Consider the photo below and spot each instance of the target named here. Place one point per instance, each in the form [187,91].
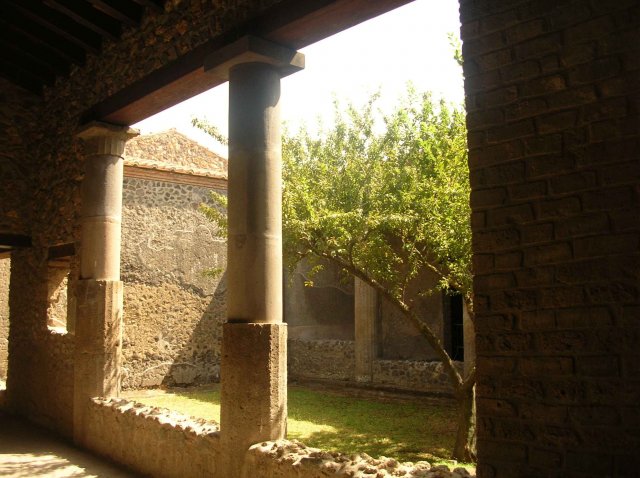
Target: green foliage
[456,46]
[387,203]
[217,212]
[210,129]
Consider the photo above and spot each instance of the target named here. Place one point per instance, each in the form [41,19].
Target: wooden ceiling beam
[43,38]
[122,11]
[14,240]
[27,63]
[291,23]
[87,16]
[18,76]
[37,52]
[156,6]
[55,22]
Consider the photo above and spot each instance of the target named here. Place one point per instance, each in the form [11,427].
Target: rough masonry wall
[334,360]
[165,444]
[153,441]
[320,359]
[552,99]
[5,271]
[16,121]
[172,313]
[40,375]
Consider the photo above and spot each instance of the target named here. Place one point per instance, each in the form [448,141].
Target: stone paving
[28,452]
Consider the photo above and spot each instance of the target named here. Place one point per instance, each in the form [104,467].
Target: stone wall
[16,121]
[552,101]
[321,312]
[153,441]
[413,375]
[40,375]
[172,312]
[334,360]
[321,359]
[165,444]
[5,271]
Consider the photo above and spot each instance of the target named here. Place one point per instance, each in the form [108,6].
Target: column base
[254,390]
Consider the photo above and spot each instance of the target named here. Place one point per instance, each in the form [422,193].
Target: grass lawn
[408,430]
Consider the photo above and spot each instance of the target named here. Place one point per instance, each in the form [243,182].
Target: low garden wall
[321,359]
[334,360]
[153,441]
[412,375]
[166,444]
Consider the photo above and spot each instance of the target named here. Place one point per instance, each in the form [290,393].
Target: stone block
[254,389]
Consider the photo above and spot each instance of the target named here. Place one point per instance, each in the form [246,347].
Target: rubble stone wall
[552,103]
[153,441]
[172,312]
[165,444]
[334,360]
[413,375]
[40,359]
[321,359]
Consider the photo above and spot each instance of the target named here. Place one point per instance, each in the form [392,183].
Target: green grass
[408,430]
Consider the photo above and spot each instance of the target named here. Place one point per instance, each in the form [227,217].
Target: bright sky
[407,44]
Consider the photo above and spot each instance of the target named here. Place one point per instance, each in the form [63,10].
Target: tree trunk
[465,446]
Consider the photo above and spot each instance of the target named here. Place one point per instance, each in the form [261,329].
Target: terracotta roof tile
[173,151]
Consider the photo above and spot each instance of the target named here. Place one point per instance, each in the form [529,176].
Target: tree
[386,198]
[386,207]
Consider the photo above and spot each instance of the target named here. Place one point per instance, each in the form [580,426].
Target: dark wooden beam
[120,10]
[88,16]
[54,21]
[38,53]
[20,77]
[12,241]
[43,38]
[28,64]
[156,6]
[61,250]
[291,23]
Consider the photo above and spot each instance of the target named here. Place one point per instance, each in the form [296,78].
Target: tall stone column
[98,328]
[366,311]
[254,357]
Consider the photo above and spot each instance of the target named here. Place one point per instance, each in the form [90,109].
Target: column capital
[252,49]
[105,138]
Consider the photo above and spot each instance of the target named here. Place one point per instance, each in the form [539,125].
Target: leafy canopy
[386,196]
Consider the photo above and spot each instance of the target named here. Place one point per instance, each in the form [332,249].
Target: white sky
[407,44]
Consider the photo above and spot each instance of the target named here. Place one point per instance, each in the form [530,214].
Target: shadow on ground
[27,451]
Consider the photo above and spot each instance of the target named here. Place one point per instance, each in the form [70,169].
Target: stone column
[98,328]
[254,358]
[366,311]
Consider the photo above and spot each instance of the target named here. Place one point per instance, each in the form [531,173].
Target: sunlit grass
[408,430]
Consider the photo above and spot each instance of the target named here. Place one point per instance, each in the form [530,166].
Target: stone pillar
[254,358]
[98,328]
[366,311]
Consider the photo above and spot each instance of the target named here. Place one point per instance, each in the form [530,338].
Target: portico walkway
[27,451]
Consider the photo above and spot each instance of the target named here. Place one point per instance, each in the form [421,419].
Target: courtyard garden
[407,428]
